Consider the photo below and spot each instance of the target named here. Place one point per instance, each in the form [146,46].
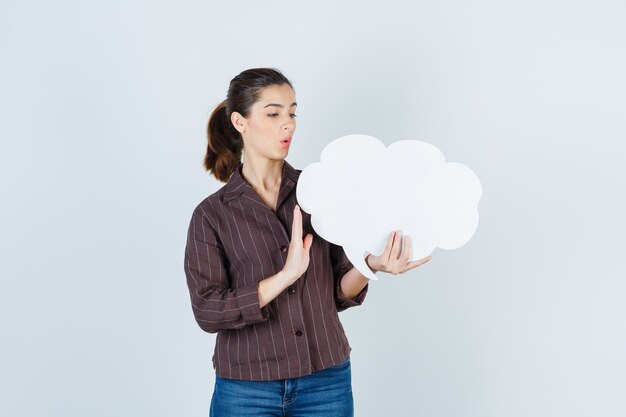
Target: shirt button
[298,333]
[291,290]
[283,248]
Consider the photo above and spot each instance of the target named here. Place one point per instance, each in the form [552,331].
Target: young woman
[271,295]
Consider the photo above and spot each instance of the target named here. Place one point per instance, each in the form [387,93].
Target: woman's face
[271,120]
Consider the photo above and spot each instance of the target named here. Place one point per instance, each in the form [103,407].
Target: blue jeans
[325,393]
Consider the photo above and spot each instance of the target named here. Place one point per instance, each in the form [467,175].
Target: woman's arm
[352,283]
[216,306]
[271,287]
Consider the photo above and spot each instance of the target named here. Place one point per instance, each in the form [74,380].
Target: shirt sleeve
[341,264]
[216,306]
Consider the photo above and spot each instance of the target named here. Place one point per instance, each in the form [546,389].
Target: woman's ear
[238,121]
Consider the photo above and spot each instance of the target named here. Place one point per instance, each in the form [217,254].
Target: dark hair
[225,144]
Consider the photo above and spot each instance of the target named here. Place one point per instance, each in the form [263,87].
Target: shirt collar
[236,184]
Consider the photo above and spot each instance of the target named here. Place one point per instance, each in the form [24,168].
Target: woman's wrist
[270,287]
[368,264]
[284,278]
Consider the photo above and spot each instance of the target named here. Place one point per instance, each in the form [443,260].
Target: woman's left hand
[394,259]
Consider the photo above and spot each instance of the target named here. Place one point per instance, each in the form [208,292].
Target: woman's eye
[293,115]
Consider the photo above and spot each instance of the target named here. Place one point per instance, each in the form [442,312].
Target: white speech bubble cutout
[361,191]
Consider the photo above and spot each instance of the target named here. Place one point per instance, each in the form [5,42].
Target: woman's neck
[264,176]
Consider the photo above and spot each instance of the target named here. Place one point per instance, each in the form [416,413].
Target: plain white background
[104,107]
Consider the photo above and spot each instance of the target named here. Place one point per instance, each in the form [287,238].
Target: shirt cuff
[248,299]
[343,303]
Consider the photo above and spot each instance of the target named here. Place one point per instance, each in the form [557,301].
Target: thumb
[308,241]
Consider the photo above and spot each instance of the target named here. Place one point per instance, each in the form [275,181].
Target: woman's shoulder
[208,207]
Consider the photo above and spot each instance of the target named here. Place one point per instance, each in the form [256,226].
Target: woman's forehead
[277,94]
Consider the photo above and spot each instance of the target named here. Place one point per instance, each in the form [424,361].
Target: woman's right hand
[298,257]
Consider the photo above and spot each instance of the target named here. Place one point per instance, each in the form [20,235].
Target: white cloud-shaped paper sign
[361,191]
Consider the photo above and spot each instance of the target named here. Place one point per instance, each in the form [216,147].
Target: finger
[417,263]
[397,244]
[387,251]
[406,249]
[296,230]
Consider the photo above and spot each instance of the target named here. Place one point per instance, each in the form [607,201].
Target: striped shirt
[236,240]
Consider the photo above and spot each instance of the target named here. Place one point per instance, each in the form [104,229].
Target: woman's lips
[285,142]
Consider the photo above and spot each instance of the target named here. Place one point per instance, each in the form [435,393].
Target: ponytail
[224,146]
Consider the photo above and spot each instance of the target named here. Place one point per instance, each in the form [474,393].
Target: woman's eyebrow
[280,105]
